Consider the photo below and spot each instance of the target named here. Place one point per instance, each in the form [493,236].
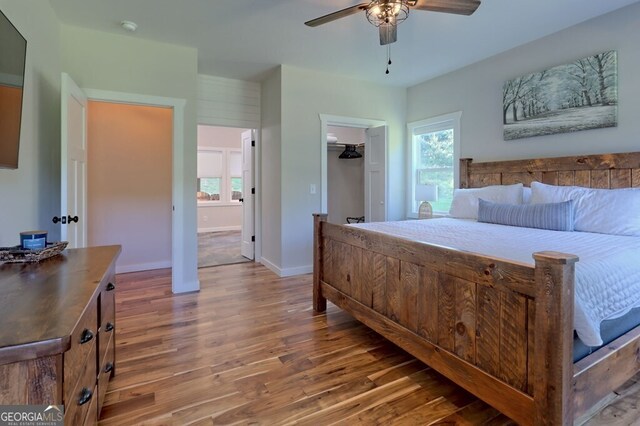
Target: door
[247,248]
[73,168]
[375,175]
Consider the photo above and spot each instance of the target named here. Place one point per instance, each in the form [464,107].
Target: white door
[73,169]
[247,248]
[375,175]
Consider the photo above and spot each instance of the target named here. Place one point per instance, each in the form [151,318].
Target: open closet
[345,174]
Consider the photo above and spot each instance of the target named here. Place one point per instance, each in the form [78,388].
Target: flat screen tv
[13,53]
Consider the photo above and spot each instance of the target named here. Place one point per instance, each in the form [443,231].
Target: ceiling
[244,39]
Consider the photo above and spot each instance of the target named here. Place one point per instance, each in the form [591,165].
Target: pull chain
[388,57]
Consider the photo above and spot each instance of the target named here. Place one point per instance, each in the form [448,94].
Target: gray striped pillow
[552,216]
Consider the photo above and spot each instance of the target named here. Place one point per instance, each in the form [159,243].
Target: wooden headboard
[591,171]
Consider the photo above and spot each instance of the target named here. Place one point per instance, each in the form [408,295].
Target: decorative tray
[18,255]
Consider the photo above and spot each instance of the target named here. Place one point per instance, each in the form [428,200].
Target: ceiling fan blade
[337,15]
[388,34]
[459,7]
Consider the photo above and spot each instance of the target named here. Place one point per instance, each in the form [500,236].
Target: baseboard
[124,269]
[286,272]
[270,265]
[187,287]
[298,270]
[220,229]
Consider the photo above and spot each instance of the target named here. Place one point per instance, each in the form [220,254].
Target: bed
[503,329]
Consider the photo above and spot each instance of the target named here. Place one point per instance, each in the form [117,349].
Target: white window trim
[225,179]
[441,122]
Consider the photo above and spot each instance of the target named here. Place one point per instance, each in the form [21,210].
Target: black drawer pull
[109,326]
[108,367]
[111,287]
[86,336]
[85,396]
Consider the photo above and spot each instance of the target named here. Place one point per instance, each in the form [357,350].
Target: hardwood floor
[248,349]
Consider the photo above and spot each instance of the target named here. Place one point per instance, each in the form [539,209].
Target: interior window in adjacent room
[219,175]
[235,175]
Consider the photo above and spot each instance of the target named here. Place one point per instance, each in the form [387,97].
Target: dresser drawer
[92,411]
[108,322]
[108,286]
[83,341]
[79,404]
[107,367]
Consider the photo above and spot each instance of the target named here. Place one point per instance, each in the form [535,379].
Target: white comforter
[607,274]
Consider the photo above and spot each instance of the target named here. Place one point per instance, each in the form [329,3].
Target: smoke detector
[129,26]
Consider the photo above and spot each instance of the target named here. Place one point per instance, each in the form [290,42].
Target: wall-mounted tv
[13,53]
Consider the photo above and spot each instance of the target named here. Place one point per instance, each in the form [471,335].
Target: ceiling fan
[387,14]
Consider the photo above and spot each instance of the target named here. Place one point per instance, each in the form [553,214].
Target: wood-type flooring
[219,248]
[248,349]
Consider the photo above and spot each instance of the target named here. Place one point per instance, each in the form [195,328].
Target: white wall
[222,217]
[228,102]
[271,140]
[477,91]
[305,95]
[129,157]
[30,195]
[220,137]
[121,63]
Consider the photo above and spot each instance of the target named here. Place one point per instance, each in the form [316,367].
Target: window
[219,176]
[433,160]
[236,188]
[235,175]
[209,189]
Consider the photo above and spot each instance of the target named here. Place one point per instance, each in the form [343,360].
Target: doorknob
[72,219]
[241,200]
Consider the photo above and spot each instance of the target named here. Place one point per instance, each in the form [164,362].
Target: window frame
[433,124]
[225,179]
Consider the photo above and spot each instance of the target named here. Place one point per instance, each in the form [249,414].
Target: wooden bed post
[553,330]
[319,302]
[464,172]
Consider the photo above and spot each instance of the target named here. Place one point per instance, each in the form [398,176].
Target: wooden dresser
[57,331]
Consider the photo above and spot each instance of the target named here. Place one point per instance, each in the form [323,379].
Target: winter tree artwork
[577,96]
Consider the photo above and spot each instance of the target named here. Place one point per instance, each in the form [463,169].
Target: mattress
[610,331]
[607,275]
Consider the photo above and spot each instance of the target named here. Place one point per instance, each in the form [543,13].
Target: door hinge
[253,238]
[253,191]
[253,143]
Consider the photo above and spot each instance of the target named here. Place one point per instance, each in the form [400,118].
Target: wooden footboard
[499,329]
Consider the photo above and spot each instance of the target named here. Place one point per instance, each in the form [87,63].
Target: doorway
[345,174]
[225,195]
[184,277]
[374,150]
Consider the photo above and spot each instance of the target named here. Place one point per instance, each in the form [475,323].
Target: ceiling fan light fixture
[380,12]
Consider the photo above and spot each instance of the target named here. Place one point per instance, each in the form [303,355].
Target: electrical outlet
[312,189]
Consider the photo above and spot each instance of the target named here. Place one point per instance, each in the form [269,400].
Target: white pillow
[605,211]
[526,195]
[465,201]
